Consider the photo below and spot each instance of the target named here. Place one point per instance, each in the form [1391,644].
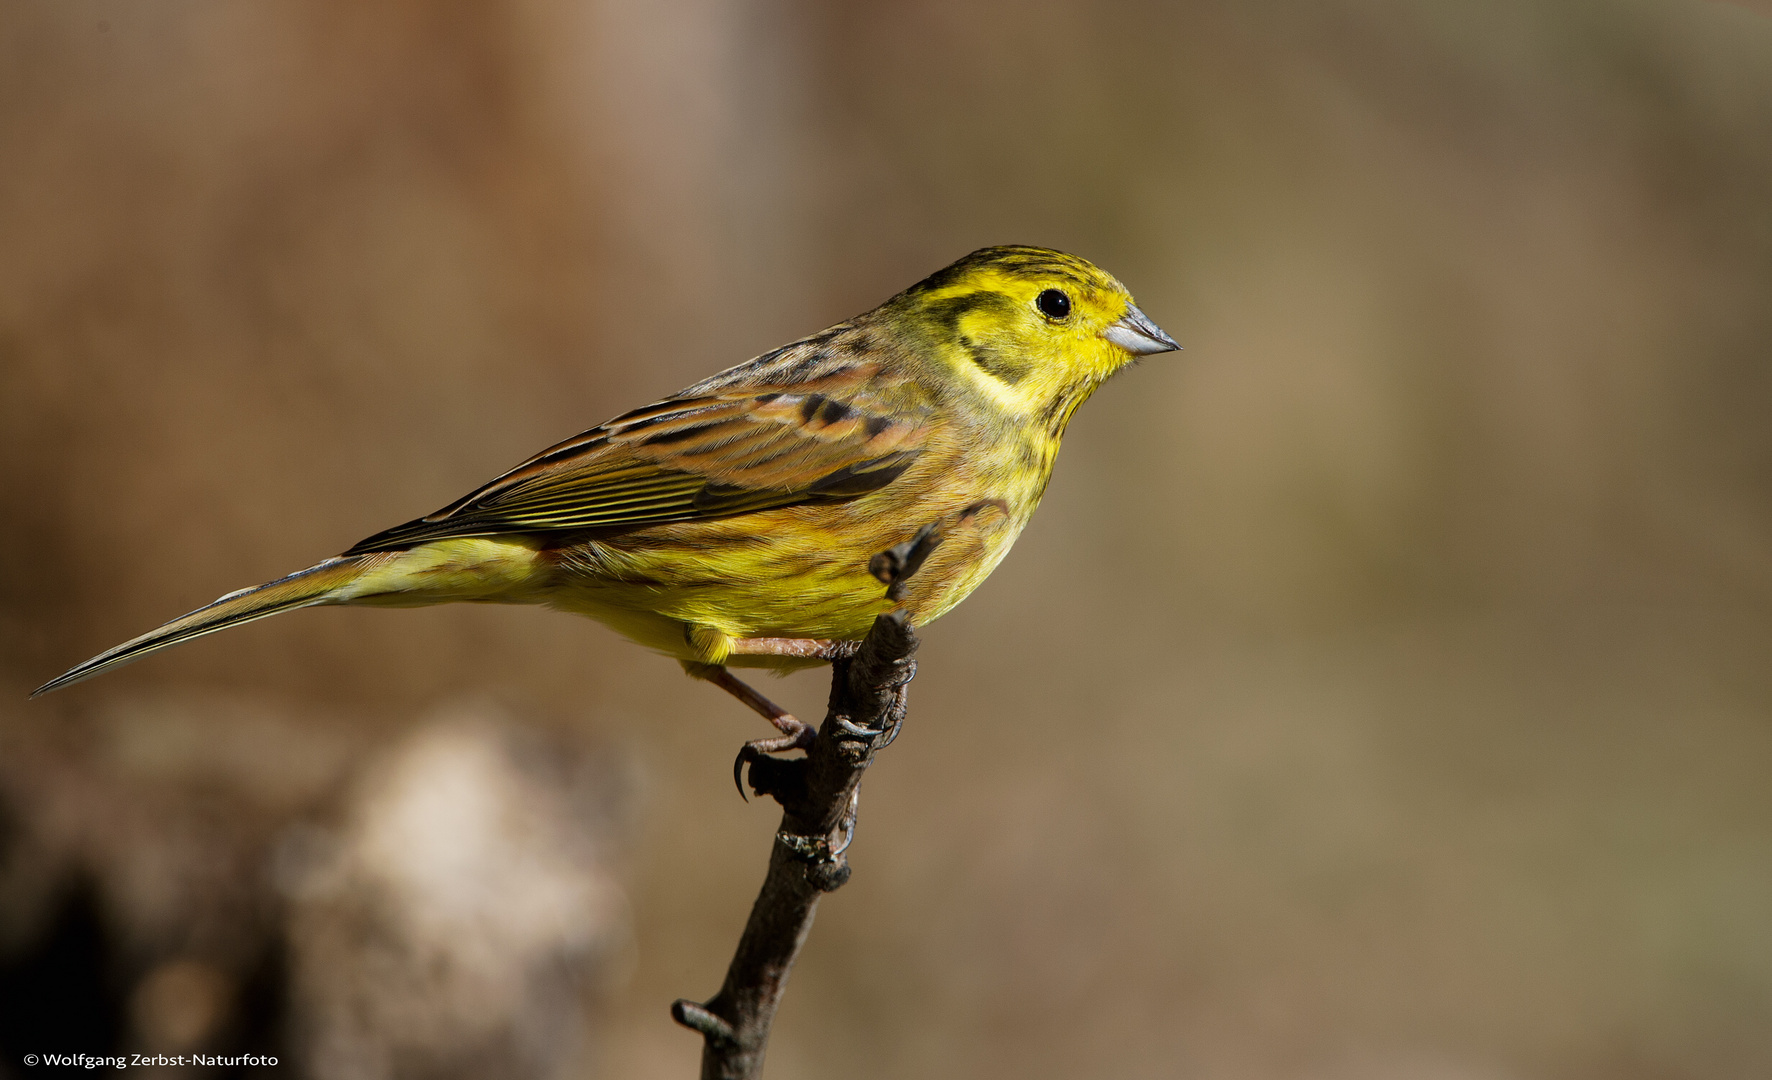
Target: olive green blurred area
[1382,692]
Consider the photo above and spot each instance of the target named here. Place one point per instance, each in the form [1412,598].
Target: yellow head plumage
[1033,329]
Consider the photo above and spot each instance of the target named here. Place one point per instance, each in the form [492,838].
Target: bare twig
[818,796]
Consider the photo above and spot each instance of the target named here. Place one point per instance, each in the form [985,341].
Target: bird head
[1034,329]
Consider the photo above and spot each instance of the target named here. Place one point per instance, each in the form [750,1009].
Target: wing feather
[696,457]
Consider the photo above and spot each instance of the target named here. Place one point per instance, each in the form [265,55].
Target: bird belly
[748,589]
[798,572]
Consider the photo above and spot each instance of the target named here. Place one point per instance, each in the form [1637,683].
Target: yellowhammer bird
[732,524]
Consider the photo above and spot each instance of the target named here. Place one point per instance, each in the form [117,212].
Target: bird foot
[896,564]
[877,738]
[801,736]
[894,567]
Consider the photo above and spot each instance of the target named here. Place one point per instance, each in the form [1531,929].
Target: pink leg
[795,735]
[810,648]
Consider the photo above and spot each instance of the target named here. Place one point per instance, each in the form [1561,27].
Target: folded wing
[693,458]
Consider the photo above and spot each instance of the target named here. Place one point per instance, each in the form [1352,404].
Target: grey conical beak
[1138,335]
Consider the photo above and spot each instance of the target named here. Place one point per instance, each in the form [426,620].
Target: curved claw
[891,733]
[744,755]
[800,737]
[846,727]
[848,823]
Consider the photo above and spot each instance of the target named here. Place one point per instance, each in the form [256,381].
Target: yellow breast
[799,571]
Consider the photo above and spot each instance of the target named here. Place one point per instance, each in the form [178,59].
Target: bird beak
[1138,335]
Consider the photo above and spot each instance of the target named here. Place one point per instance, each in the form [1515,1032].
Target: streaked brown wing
[692,458]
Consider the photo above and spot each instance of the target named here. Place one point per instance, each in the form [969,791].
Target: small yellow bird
[732,524]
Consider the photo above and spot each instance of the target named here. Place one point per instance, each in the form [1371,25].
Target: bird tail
[328,582]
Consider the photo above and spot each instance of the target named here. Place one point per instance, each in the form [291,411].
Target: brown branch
[818,798]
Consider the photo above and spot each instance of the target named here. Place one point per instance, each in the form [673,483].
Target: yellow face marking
[986,324]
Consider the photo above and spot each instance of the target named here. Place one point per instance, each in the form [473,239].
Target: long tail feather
[304,588]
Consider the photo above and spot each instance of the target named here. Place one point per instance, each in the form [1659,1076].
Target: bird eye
[1053,304]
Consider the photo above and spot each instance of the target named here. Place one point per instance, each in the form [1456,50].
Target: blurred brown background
[1381,693]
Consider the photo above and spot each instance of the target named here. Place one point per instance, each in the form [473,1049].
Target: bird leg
[809,648]
[892,567]
[795,735]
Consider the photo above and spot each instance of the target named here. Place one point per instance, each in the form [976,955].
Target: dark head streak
[991,361]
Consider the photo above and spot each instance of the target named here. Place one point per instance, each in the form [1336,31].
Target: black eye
[1053,304]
